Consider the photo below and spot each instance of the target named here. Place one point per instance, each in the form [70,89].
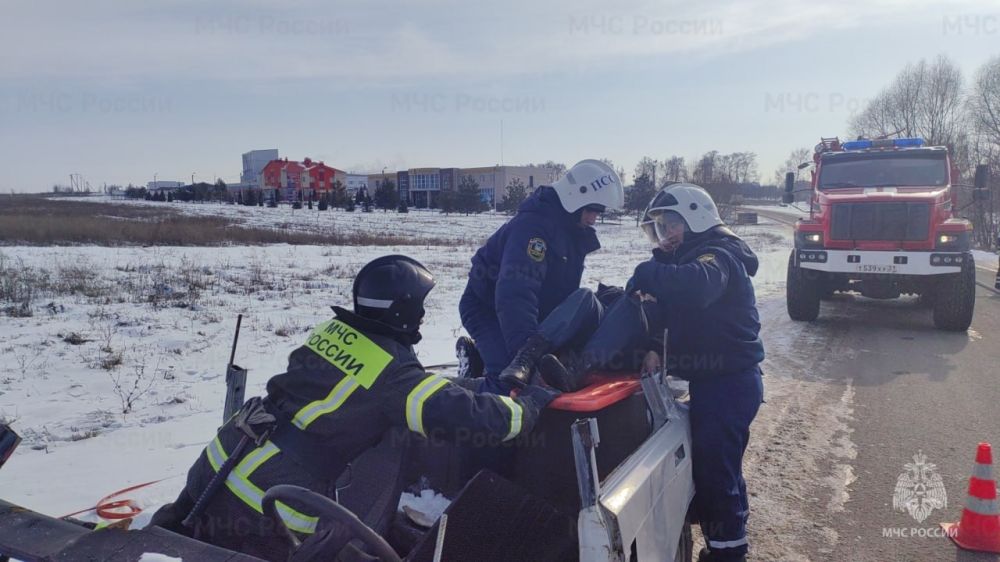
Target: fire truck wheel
[955,298]
[801,294]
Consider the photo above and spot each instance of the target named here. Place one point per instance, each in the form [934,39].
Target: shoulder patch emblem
[536,249]
[350,351]
[705,258]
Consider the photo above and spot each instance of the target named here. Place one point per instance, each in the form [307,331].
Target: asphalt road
[912,389]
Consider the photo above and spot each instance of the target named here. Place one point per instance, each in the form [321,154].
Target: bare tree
[939,109]
[674,170]
[559,167]
[705,170]
[983,109]
[646,167]
[924,100]
[984,101]
[738,167]
[796,157]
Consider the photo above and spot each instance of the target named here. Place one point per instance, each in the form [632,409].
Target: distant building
[306,180]
[253,165]
[493,180]
[163,185]
[376,180]
[235,188]
[355,182]
[422,187]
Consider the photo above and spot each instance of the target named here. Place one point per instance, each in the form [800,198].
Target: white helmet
[590,182]
[688,200]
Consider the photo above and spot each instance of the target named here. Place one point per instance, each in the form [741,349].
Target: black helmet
[391,290]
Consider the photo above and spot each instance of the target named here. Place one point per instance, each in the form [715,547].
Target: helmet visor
[664,226]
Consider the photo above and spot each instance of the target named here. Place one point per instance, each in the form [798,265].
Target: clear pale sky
[118,91]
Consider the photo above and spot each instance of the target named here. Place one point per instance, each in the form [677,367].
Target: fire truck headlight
[953,241]
[809,240]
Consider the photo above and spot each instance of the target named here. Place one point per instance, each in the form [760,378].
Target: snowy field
[118,377]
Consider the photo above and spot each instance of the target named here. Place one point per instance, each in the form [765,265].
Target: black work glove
[538,395]
[608,294]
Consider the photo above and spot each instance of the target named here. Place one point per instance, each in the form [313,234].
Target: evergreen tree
[638,195]
[386,196]
[467,197]
[338,194]
[447,201]
[516,194]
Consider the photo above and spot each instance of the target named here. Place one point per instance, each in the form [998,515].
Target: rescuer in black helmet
[354,378]
[391,290]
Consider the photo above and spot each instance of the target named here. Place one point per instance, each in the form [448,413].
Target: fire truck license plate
[871,268]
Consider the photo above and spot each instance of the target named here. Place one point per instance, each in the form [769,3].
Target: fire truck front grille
[886,221]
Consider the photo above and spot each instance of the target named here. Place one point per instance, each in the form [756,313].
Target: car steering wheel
[324,508]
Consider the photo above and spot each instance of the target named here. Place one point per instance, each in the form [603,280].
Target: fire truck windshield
[885,169]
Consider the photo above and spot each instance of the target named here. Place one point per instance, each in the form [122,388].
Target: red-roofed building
[304,180]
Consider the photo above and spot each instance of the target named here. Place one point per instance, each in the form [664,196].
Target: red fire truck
[883,221]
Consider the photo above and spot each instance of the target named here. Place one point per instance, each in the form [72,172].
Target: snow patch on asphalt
[155,557]
[842,448]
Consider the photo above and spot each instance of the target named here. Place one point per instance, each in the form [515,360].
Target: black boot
[518,373]
[470,363]
[565,374]
[708,556]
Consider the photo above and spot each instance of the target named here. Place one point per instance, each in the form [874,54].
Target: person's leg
[722,409]
[482,324]
[569,324]
[573,321]
[618,343]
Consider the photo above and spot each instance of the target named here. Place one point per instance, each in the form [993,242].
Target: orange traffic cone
[979,528]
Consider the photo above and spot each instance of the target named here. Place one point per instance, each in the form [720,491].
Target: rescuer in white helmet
[699,277]
[528,267]
[697,287]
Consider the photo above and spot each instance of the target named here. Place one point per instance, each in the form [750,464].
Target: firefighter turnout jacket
[350,382]
[354,378]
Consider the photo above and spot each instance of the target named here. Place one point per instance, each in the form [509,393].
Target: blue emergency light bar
[883,143]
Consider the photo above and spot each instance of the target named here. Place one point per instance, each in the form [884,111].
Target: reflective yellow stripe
[215,453]
[338,395]
[516,413]
[239,484]
[255,458]
[415,402]
[350,351]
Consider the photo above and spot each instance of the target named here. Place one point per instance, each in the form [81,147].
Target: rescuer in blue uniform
[700,278]
[531,265]
[355,377]
[697,286]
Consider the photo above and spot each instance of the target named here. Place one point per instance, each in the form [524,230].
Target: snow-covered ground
[157,323]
